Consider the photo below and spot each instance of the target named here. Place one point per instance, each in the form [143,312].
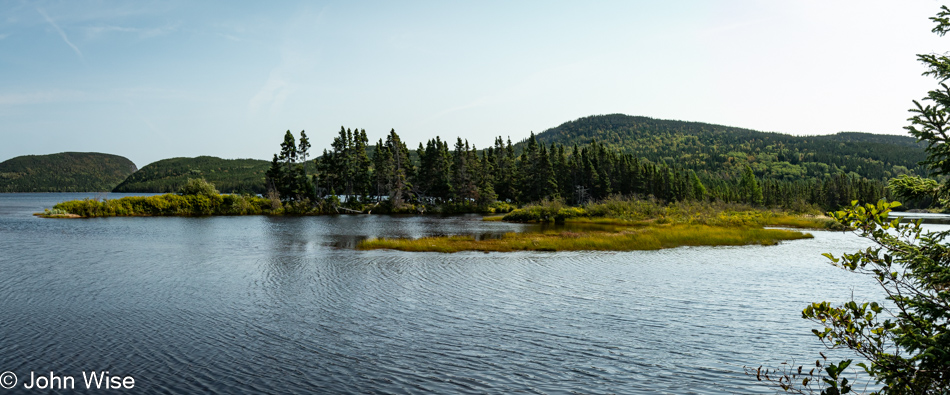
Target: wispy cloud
[3,36]
[61,32]
[296,59]
[274,92]
[93,32]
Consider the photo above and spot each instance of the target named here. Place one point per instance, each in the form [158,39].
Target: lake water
[281,305]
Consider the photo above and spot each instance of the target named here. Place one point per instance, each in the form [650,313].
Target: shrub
[198,186]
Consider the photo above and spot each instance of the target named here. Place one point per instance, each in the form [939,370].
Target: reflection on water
[273,305]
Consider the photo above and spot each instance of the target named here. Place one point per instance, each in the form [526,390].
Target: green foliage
[545,211]
[168,205]
[168,175]
[497,207]
[198,186]
[749,189]
[54,213]
[929,124]
[64,172]
[698,189]
[287,179]
[393,173]
[914,191]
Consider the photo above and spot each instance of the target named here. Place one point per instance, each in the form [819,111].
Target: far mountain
[227,175]
[64,172]
[724,149]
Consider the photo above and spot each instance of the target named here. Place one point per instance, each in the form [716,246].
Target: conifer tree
[749,187]
[362,178]
[486,181]
[399,185]
[382,164]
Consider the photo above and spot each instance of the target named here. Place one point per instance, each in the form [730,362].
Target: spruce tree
[749,187]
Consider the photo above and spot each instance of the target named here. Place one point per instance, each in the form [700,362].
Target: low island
[614,224]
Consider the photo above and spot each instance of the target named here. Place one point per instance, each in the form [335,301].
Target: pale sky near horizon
[154,80]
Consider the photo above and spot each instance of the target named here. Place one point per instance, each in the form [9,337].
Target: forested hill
[725,150]
[64,172]
[227,175]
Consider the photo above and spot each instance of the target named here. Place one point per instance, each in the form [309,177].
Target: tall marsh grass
[649,238]
[621,210]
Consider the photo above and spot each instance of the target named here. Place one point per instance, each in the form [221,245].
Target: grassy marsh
[645,238]
[620,224]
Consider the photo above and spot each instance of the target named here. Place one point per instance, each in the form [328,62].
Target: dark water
[275,305]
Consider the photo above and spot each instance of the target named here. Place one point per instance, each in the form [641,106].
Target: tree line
[459,177]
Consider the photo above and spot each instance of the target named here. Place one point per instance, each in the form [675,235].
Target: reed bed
[630,211]
[646,238]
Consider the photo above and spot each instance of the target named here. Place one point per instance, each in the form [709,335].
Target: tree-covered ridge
[461,178]
[228,175]
[727,150]
[64,172]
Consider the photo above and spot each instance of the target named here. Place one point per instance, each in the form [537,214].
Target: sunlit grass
[804,222]
[56,213]
[627,211]
[648,238]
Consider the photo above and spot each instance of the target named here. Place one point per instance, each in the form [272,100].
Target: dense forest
[228,175]
[457,177]
[64,172]
[725,151]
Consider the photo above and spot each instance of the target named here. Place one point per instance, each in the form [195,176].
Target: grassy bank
[627,224]
[647,238]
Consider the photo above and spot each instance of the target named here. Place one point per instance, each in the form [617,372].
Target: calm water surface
[280,305]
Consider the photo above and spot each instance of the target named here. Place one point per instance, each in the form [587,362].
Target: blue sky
[154,80]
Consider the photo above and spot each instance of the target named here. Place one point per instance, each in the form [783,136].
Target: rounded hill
[64,172]
[227,175]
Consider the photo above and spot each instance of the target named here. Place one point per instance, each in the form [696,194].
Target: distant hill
[64,172]
[228,175]
[725,149]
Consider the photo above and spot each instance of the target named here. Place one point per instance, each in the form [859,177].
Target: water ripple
[273,305]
